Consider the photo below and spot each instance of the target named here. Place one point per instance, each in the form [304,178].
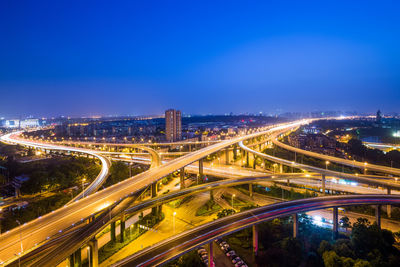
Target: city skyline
[142,58]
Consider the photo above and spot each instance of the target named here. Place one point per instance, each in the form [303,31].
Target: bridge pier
[280,168]
[251,190]
[201,172]
[182,177]
[211,255]
[254,161]
[77,258]
[288,182]
[247,159]
[153,189]
[94,253]
[255,240]
[295,218]
[335,230]
[389,207]
[378,215]
[112,232]
[211,194]
[227,156]
[323,184]
[234,153]
[122,228]
[153,195]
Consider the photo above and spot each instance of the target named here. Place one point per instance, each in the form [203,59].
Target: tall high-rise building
[173,125]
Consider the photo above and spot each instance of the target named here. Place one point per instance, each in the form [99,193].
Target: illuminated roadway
[50,224]
[179,244]
[354,177]
[42,229]
[97,182]
[350,163]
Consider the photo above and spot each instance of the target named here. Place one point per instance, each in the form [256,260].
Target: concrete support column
[288,182]
[247,159]
[378,215]
[154,189]
[335,230]
[211,194]
[227,156]
[201,173]
[94,253]
[78,258]
[254,161]
[251,190]
[255,240]
[154,194]
[122,228]
[280,168]
[323,184]
[112,232]
[295,225]
[182,176]
[389,207]
[211,255]
[160,209]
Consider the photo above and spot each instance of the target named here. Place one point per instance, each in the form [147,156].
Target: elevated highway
[177,245]
[40,230]
[66,247]
[346,162]
[12,138]
[371,180]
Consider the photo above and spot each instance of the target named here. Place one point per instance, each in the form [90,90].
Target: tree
[225,212]
[331,259]
[119,171]
[344,248]
[362,263]
[345,222]
[324,246]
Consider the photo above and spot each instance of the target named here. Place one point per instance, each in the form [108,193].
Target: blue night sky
[141,57]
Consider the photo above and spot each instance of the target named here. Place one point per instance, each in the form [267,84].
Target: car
[229,253]
[235,260]
[239,263]
[226,249]
[233,256]
[218,241]
[201,250]
[203,253]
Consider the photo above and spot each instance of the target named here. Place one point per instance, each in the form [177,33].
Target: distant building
[173,125]
[29,123]
[12,124]
[378,117]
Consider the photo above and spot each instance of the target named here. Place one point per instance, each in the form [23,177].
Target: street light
[173,220]
[326,164]
[83,186]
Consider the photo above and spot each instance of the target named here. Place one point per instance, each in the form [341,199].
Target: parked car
[235,260]
[230,253]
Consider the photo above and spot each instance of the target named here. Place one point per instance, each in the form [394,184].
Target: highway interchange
[53,224]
